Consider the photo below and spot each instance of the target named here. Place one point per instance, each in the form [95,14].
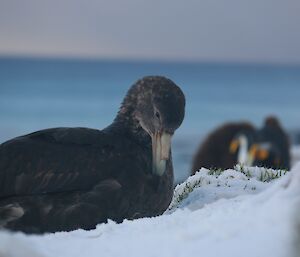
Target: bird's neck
[127,124]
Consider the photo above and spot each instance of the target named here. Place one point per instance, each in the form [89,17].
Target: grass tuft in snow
[260,173]
[206,177]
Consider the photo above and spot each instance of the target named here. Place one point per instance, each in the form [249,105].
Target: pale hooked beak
[161,145]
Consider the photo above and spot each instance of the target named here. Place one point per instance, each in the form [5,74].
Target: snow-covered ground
[295,153]
[241,212]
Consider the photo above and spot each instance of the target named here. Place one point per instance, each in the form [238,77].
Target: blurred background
[70,63]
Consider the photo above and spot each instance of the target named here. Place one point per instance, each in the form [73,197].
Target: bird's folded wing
[54,160]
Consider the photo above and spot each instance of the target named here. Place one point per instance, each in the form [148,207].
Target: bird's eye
[157,115]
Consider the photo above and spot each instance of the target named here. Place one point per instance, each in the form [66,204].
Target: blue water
[42,93]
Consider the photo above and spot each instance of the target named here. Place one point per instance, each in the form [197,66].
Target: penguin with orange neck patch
[224,146]
[273,147]
[242,143]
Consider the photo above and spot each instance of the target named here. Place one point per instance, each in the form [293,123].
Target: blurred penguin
[273,148]
[241,143]
[225,147]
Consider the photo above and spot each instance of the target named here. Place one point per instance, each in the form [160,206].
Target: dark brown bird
[63,179]
[215,151]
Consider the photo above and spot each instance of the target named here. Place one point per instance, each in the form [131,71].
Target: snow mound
[209,185]
[230,213]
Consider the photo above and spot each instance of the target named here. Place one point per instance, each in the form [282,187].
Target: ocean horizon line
[133,60]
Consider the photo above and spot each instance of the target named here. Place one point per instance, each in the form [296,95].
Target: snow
[208,187]
[295,154]
[241,212]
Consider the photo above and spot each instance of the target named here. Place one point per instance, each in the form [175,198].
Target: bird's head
[159,110]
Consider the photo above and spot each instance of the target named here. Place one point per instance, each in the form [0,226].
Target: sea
[39,93]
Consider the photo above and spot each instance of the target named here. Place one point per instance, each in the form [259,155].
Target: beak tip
[160,168]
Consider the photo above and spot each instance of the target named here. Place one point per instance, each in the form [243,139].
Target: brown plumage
[214,151]
[63,179]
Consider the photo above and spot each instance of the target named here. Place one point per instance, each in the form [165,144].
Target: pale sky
[201,30]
